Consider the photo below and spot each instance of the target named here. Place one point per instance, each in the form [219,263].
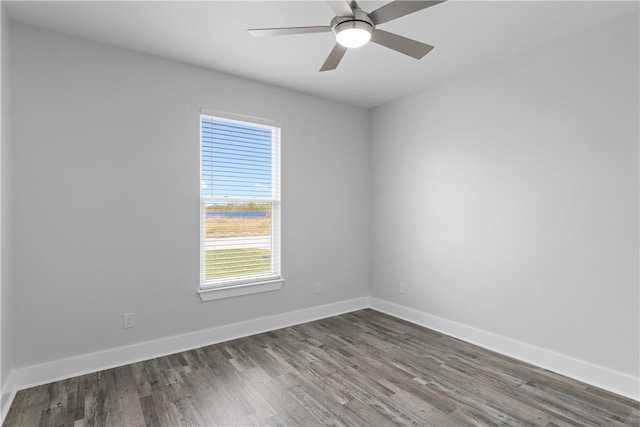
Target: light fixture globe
[353,33]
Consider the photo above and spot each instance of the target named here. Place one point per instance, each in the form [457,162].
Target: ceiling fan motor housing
[358,16]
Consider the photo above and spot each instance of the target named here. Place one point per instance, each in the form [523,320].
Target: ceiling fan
[354,27]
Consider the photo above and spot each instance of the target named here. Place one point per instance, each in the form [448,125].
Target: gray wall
[106,187]
[508,199]
[6,283]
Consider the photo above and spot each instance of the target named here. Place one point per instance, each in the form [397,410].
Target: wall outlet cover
[128,320]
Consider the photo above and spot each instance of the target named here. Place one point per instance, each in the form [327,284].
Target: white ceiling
[212,34]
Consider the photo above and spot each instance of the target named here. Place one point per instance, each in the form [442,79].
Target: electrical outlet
[403,288]
[128,320]
[318,287]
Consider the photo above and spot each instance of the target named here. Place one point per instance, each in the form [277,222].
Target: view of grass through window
[229,227]
[228,262]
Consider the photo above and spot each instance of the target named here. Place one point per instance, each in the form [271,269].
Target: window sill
[239,290]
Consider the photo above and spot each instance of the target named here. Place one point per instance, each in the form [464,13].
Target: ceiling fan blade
[340,7]
[400,44]
[399,8]
[262,32]
[334,58]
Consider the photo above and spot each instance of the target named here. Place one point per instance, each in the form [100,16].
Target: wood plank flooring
[359,369]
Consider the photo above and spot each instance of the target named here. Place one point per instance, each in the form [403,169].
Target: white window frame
[214,289]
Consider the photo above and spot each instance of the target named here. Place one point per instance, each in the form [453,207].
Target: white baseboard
[7,394]
[599,376]
[57,370]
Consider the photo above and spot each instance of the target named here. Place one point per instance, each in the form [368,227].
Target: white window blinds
[240,202]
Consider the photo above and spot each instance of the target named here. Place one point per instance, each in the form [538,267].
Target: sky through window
[236,159]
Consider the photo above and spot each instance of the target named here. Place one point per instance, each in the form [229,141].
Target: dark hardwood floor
[363,368]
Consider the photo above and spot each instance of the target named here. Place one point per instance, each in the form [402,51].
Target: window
[239,207]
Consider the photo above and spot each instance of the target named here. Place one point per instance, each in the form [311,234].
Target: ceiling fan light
[353,34]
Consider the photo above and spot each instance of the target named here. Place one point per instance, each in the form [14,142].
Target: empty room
[307,213]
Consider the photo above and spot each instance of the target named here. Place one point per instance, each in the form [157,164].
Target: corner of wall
[7,392]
